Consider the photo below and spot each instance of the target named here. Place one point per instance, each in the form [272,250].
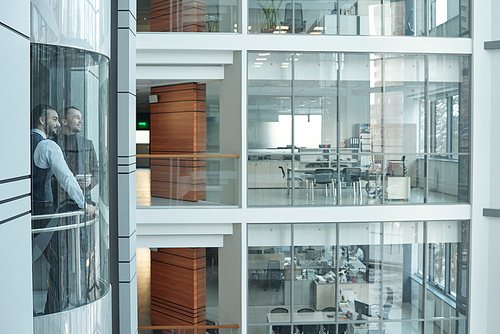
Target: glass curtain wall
[444,18]
[357,129]
[357,277]
[70,195]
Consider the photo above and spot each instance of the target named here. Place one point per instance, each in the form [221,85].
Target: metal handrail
[63,227]
[58,215]
[186,155]
[190,327]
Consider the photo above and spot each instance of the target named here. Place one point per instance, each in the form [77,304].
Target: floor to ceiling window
[357,129]
[392,277]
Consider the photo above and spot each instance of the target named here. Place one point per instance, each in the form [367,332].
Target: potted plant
[269,16]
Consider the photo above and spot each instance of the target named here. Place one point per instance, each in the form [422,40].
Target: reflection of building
[314,84]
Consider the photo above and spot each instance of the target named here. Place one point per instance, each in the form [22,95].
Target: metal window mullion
[293,17]
[292,275]
[382,126]
[292,181]
[425,273]
[426,128]
[381,308]
[447,266]
[383,18]
[337,260]
[339,181]
[449,125]
[426,17]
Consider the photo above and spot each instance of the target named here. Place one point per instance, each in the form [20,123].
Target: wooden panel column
[178,286]
[178,125]
[178,15]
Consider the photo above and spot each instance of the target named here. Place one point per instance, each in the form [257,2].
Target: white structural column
[493,288]
[483,254]
[16,302]
[126,166]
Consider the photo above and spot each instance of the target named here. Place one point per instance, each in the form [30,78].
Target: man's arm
[94,165]
[49,155]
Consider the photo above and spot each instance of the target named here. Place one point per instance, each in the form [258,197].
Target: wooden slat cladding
[185,192]
[178,132]
[178,15]
[178,286]
[178,125]
[174,174]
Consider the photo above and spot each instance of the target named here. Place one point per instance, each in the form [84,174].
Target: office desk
[372,328]
[315,317]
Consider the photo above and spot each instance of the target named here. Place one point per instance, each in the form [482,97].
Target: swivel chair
[281,329]
[308,329]
[300,24]
[289,180]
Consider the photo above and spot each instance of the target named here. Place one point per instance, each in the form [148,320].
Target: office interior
[325,276]
[450,76]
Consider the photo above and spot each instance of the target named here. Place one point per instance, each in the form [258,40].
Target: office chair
[281,329]
[275,276]
[387,306]
[352,175]
[211,331]
[314,165]
[289,180]
[308,329]
[300,24]
[330,328]
[324,176]
[279,310]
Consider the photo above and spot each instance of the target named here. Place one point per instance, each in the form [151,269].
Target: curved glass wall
[445,18]
[357,129]
[69,147]
[400,277]
[187,16]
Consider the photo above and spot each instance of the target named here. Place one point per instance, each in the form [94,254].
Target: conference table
[308,172]
[325,317]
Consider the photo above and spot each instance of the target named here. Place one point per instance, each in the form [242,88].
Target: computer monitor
[362,309]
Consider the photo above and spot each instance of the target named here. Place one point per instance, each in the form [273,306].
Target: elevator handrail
[78,224]
[190,327]
[185,155]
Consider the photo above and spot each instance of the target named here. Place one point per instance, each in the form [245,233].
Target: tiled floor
[279,196]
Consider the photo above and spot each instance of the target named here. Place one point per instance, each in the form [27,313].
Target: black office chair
[300,24]
[308,329]
[211,331]
[314,165]
[281,329]
[275,277]
[324,176]
[352,175]
[289,180]
[330,328]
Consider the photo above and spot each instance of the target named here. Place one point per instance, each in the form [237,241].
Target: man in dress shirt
[81,158]
[79,154]
[48,160]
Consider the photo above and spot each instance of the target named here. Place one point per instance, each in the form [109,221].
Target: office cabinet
[324,295]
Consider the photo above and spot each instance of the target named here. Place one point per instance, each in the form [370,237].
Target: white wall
[16,303]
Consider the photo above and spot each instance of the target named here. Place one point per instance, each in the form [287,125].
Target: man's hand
[89,209]
[84,183]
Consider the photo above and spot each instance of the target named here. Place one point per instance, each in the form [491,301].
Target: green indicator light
[142,123]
